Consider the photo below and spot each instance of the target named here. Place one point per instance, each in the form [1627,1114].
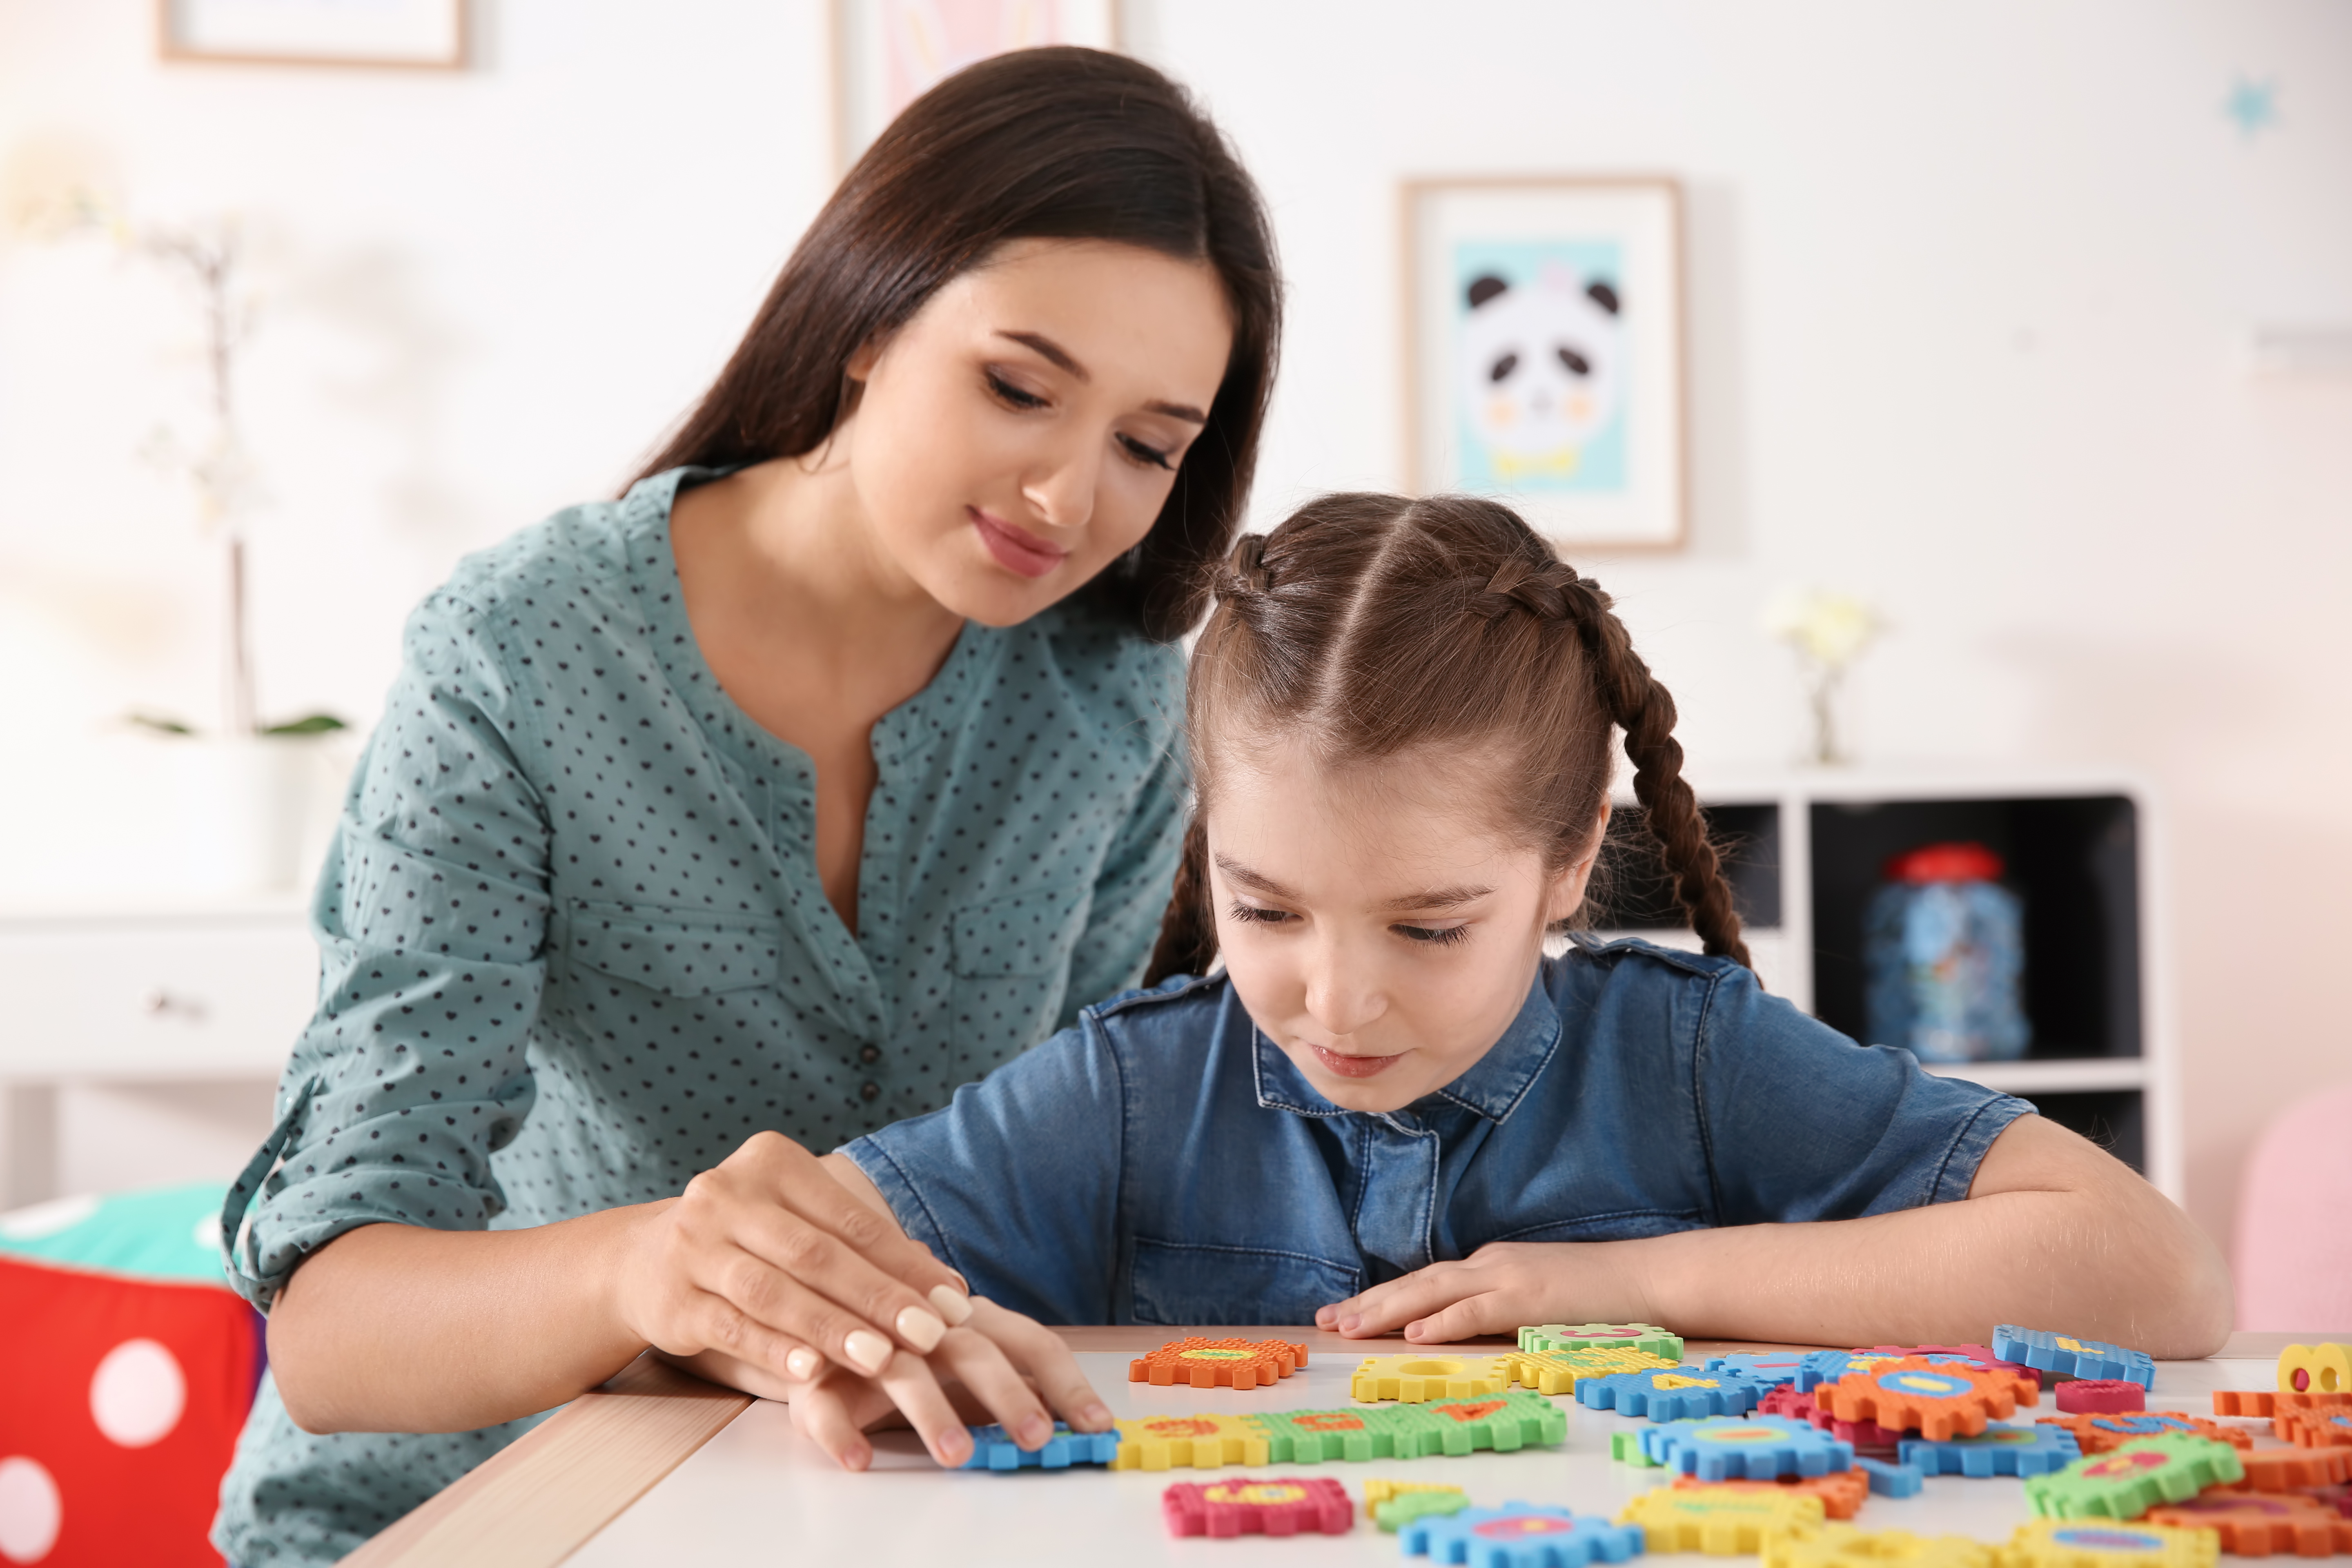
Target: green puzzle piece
[1404,1508]
[1589,1336]
[2126,1482]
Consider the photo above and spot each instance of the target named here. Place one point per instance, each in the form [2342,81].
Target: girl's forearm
[393,1328]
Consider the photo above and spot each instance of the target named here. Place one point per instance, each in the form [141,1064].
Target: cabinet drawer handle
[163,1005]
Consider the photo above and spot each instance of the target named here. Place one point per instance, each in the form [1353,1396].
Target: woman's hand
[769,1261]
[1494,1291]
[1000,1366]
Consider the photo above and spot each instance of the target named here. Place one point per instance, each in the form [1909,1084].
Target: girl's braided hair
[1370,626]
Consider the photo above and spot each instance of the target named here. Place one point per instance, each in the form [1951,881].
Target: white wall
[1967,285]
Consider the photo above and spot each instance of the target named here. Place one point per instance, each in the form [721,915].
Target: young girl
[1392,1112]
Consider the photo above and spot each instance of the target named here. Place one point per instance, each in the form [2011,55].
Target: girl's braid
[1188,931]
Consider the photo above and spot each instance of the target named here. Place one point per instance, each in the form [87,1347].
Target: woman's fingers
[1037,1353]
[805,1186]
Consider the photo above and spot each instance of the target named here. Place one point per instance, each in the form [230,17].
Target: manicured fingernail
[868,1351]
[953,1304]
[920,1330]
[802,1362]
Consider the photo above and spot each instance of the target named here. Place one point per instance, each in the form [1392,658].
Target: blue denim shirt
[1163,1162]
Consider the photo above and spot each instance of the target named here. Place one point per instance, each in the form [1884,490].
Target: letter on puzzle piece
[2315,1369]
[1672,1394]
[2070,1357]
[1246,1506]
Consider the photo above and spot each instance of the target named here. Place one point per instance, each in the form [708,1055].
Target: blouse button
[868,1090]
[870,1053]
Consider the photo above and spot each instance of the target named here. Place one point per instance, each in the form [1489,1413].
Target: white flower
[1827,627]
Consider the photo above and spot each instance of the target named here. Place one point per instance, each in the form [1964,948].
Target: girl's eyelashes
[1257,914]
[1434,936]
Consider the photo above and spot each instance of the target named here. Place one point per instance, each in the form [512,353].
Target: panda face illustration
[1541,368]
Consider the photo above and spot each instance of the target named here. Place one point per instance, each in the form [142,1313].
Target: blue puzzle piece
[994,1449]
[1520,1535]
[1998,1451]
[2070,1357]
[1672,1394]
[1817,1367]
[1891,1480]
[1769,1367]
[1757,1448]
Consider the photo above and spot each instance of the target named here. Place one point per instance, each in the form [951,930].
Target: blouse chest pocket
[1177,1283]
[681,952]
[1011,963]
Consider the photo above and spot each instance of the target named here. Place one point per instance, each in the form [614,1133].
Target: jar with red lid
[1944,957]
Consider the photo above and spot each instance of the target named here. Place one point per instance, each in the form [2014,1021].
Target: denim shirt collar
[1493,1087]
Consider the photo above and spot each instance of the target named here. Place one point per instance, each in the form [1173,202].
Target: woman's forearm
[393,1328]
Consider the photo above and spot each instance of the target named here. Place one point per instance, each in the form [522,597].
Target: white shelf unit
[1789,952]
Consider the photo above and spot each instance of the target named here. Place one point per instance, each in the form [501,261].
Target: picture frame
[887,53]
[401,34]
[1544,351]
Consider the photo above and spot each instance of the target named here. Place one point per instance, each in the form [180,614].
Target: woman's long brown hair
[1373,626]
[1054,144]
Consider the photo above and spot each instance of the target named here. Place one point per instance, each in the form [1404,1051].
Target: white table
[760,1493]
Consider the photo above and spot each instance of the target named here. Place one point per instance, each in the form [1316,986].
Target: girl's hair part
[1045,143]
[1367,626]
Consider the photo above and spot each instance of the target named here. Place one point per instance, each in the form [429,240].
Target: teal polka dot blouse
[574,949]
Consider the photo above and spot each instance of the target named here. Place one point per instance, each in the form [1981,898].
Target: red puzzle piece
[1244,1505]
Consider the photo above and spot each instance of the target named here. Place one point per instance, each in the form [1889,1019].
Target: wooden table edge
[527,1506]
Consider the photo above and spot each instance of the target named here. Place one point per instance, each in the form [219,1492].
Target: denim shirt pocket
[1178,1284]
[681,952]
[1011,963]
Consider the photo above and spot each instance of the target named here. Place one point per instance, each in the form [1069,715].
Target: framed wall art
[887,52]
[1544,351]
[424,34]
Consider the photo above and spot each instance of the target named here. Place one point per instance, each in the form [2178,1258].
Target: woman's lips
[1354,1067]
[1017,549]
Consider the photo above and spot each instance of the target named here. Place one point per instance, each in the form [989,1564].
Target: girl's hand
[999,1364]
[769,1260]
[1494,1291]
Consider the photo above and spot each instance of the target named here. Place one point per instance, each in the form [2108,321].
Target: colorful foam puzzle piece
[2064,1543]
[2292,1469]
[1625,1447]
[1502,1423]
[1772,1367]
[2269,1401]
[1391,1504]
[2104,1434]
[2314,1428]
[2069,1356]
[2259,1526]
[1310,1436]
[1843,1492]
[1520,1535]
[1378,1490]
[1998,1451]
[993,1448]
[1559,1371]
[1818,1367]
[1189,1442]
[2129,1481]
[1980,1354]
[1603,1336]
[2101,1397]
[1672,1394]
[1722,1521]
[1866,1436]
[1937,1399]
[1199,1363]
[1895,1480]
[1244,1505]
[1414,1378]
[2315,1369]
[1846,1546]
[1759,1447]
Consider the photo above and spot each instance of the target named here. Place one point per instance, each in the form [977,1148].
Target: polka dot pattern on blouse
[574,949]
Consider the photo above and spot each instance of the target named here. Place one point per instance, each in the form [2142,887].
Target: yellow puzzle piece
[1380,1490]
[1417,1378]
[2110,1544]
[1556,1372]
[1721,1524]
[1849,1546]
[1195,1442]
[2315,1369]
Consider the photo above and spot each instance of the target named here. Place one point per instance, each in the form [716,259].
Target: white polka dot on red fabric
[137,1393]
[30,1510]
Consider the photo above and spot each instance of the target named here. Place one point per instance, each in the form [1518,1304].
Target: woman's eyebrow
[1064,361]
[1435,899]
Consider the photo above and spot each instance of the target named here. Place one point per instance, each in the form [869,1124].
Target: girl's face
[1376,928]
[1022,431]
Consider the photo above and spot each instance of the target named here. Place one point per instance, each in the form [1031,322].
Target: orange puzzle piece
[1843,1492]
[1217,1364]
[2101,1433]
[2327,1429]
[1934,1398]
[2255,1526]
[2287,1469]
[2269,1401]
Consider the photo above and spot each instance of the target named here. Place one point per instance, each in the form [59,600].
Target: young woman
[1391,1111]
[826,770]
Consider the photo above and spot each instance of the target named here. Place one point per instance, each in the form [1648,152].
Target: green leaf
[158,723]
[316,724]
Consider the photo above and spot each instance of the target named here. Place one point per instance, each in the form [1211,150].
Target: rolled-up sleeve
[1800,1123]
[431,917]
[1015,1182]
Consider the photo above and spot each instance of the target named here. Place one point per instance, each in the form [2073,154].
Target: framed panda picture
[1544,351]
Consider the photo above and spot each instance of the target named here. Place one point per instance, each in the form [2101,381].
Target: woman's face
[1021,432]
[1379,932]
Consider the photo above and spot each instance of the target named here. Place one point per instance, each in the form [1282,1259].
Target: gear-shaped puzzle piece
[2070,1357]
[2258,1526]
[994,1449]
[1502,1422]
[2129,1481]
[1980,1354]
[2102,1397]
[1672,1394]
[1759,1448]
[1720,1520]
[1409,1500]
[1559,1371]
[2266,1402]
[1603,1336]
[1520,1535]
[2314,1428]
[1935,1398]
[1189,1442]
[1774,1367]
[1843,1492]
[2103,1434]
[1998,1451]
[2288,1469]
[1199,1363]
[1414,1378]
[2063,1543]
[1245,1506]
[1846,1546]
[1310,1436]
